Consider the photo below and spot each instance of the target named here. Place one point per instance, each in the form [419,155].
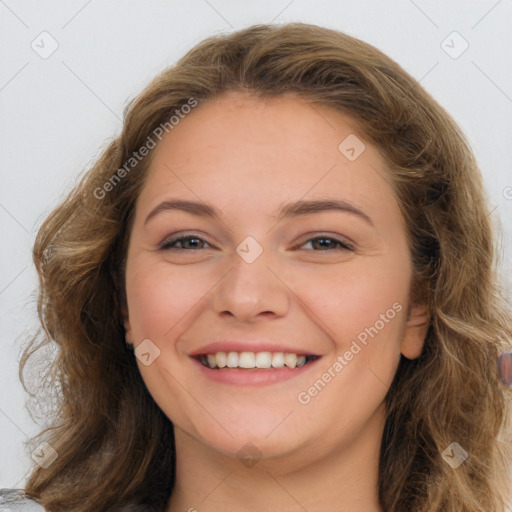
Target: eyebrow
[288,210]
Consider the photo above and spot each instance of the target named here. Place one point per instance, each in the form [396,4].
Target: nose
[250,291]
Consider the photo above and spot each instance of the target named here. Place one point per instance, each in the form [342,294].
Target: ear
[415,332]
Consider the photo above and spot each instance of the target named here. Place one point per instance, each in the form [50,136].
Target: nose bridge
[251,286]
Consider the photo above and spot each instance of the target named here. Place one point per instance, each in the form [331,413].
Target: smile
[254,360]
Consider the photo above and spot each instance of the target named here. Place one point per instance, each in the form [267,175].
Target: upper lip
[249,346]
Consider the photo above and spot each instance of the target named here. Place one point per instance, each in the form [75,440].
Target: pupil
[325,241]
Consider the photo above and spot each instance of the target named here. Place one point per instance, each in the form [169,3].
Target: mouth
[254,360]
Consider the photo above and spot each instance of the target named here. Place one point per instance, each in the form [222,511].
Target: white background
[57,113]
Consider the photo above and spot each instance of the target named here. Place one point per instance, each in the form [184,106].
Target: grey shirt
[14,500]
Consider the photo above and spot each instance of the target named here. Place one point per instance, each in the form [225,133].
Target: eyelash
[167,244]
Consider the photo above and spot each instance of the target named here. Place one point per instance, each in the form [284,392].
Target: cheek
[362,310]
[350,298]
[361,307]
[159,297]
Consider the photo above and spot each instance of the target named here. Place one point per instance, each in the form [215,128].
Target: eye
[327,243]
[195,241]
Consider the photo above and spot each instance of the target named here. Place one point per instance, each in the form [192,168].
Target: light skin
[247,157]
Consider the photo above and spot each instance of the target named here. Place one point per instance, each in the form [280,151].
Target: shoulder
[14,500]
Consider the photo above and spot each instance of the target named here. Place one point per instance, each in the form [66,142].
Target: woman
[276,290]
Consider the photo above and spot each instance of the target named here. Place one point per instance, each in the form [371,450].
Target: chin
[250,439]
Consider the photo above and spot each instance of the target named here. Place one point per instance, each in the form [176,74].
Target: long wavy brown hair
[116,447]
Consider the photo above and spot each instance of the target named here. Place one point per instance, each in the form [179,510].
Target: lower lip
[253,377]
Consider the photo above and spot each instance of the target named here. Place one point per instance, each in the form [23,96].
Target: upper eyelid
[179,236]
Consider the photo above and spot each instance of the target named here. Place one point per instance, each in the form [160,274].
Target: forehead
[289,125]
[266,150]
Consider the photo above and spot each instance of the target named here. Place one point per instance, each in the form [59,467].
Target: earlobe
[415,332]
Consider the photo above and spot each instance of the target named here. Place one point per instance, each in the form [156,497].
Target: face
[288,243]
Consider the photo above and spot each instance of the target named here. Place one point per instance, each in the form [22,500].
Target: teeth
[263,360]
[232,360]
[278,360]
[290,360]
[247,360]
[250,360]
[221,359]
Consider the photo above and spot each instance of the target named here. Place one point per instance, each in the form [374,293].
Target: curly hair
[116,447]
